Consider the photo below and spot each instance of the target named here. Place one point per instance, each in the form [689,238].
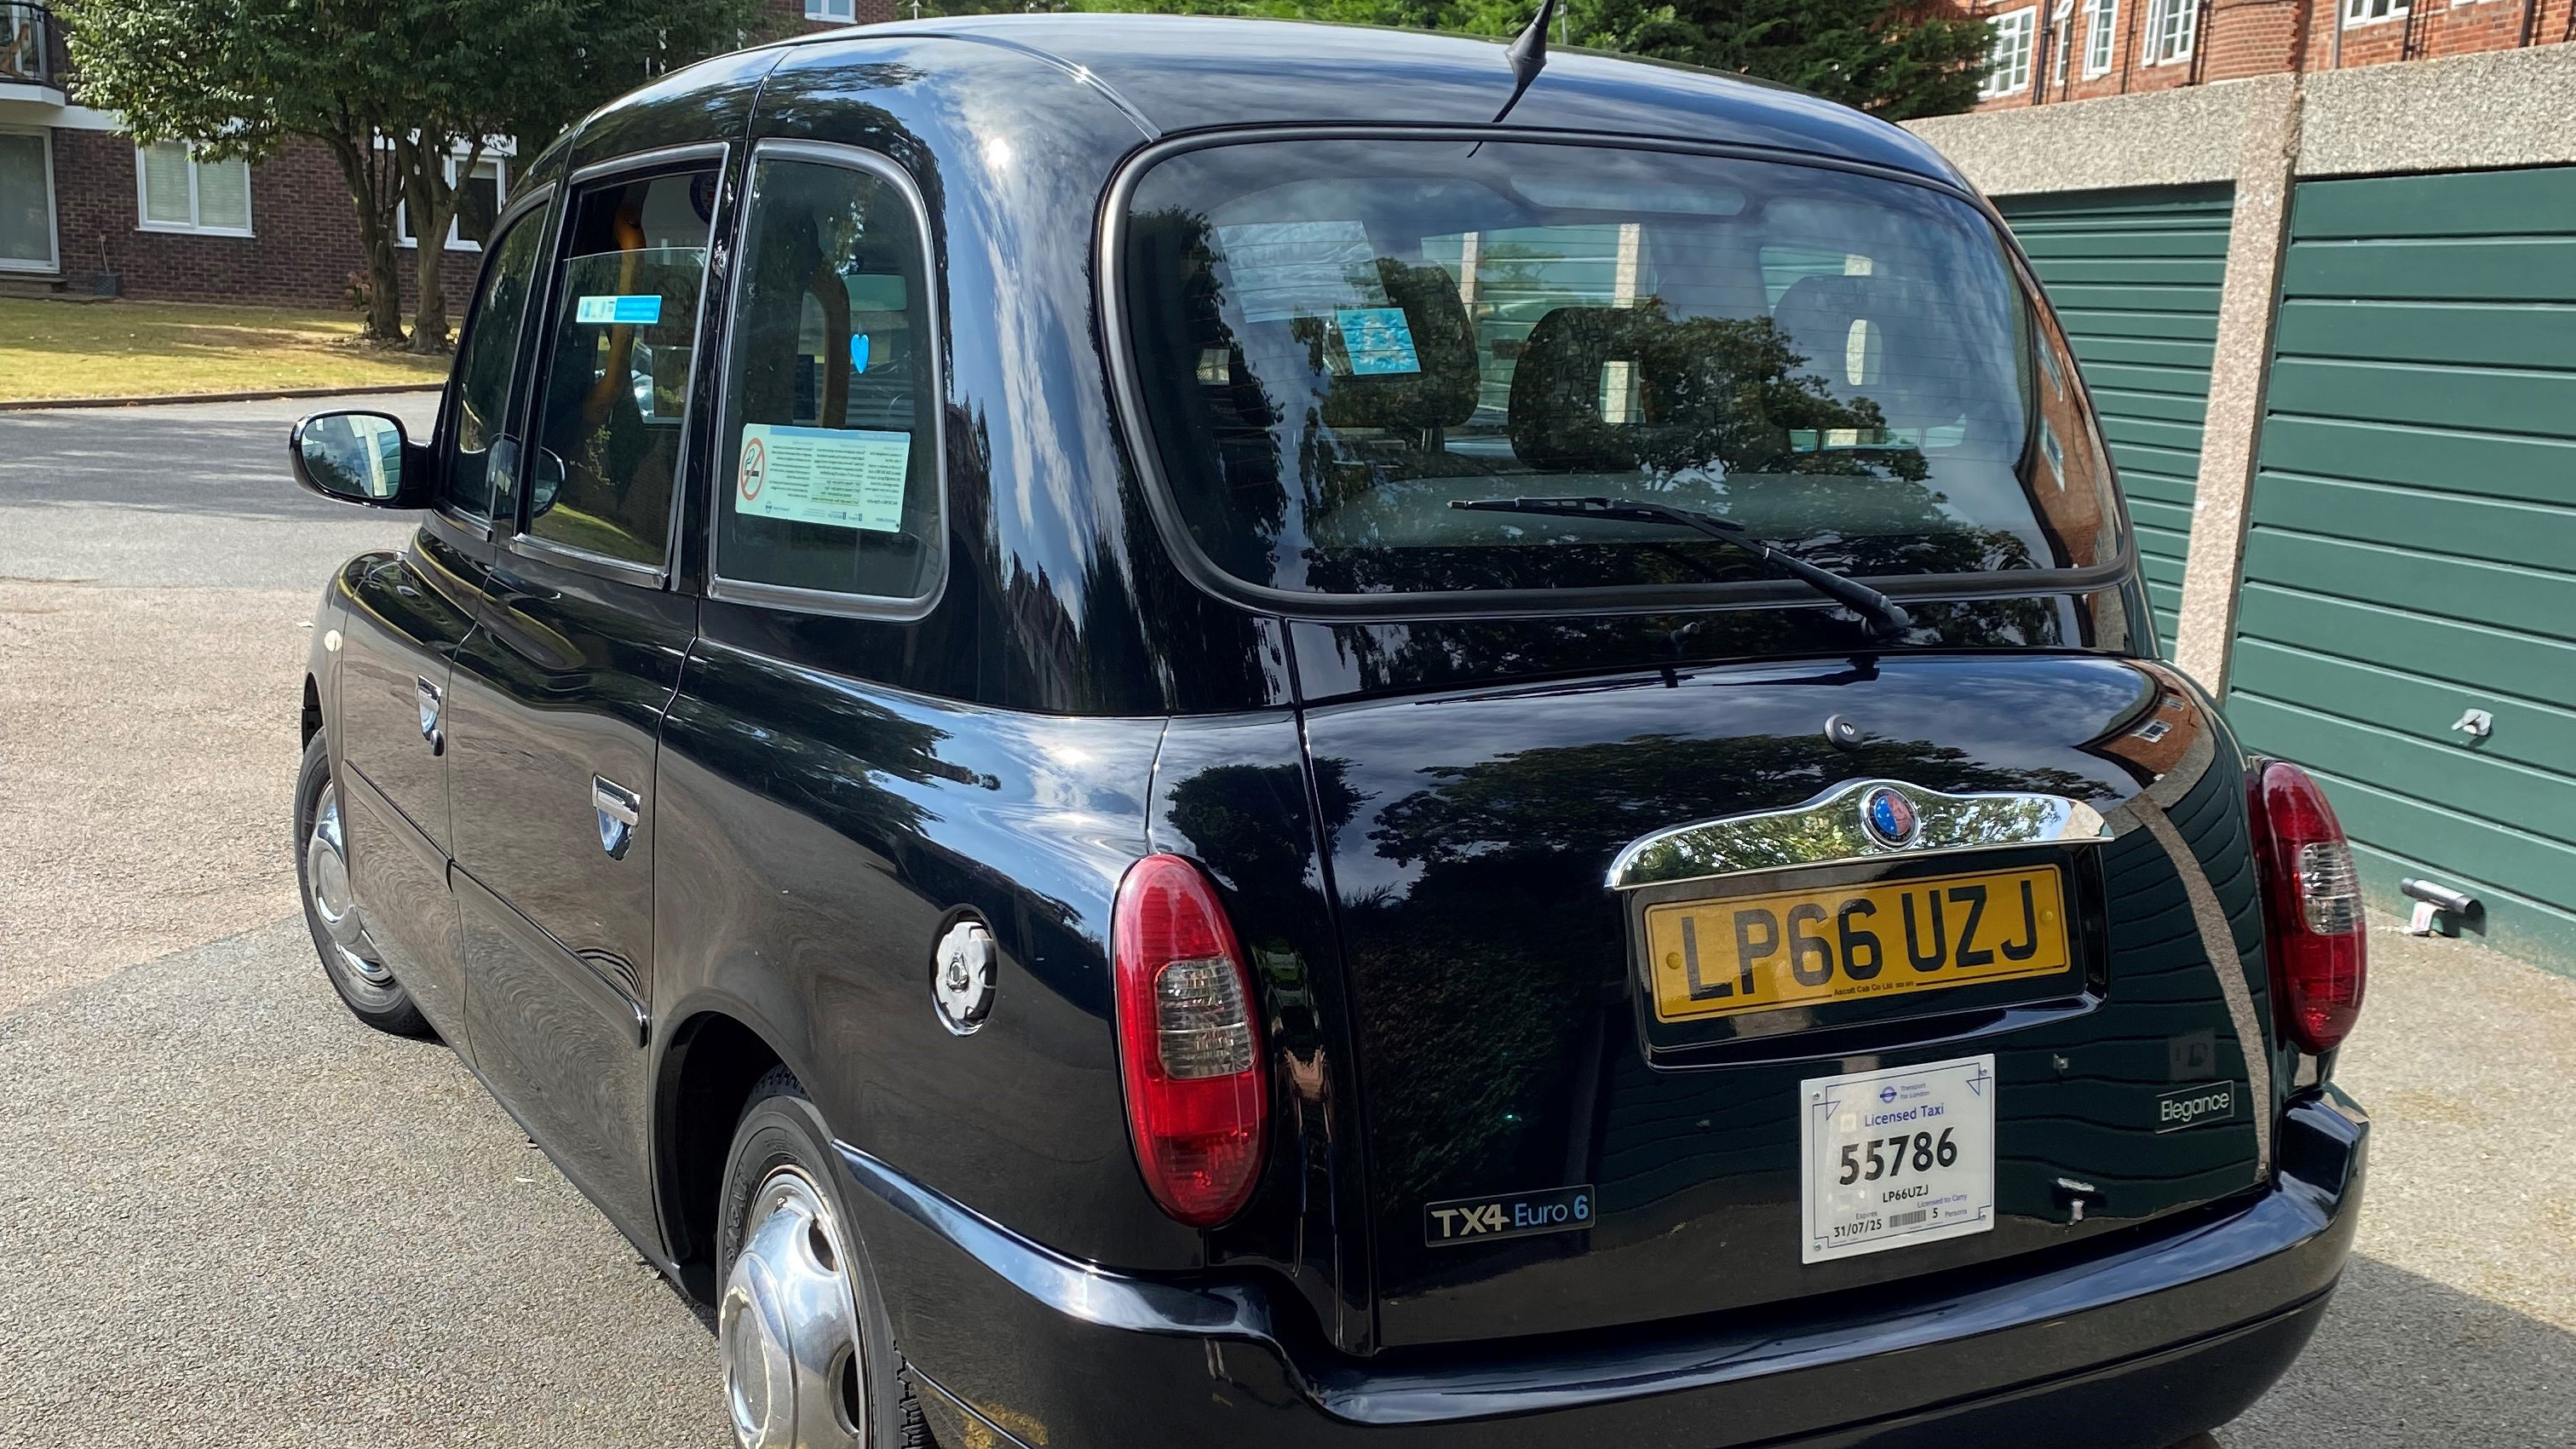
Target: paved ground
[231,1216]
[157,574]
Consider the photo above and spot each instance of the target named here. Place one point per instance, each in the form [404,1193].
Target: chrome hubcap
[326,881]
[795,1377]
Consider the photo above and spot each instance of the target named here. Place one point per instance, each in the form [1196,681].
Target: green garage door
[2134,276]
[2412,551]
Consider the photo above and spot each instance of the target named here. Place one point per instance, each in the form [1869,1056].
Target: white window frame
[2101,37]
[2008,65]
[53,206]
[456,242]
[2167,21]
[143,207]
[2061,44]
[2360,13]
[833,12]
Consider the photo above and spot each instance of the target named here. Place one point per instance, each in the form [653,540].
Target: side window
[831,407]
[477,475]
[616,372]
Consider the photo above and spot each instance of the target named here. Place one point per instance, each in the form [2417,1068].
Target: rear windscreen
[1334,340]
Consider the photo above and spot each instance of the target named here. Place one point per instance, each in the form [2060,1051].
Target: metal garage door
[2135,278]
[2412,553]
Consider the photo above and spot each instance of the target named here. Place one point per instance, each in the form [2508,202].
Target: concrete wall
[2469,112]
[2502,108]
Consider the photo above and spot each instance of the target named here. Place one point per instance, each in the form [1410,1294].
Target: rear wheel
[331,911]
[808,1351]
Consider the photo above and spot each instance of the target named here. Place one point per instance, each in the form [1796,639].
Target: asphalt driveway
[229,1215]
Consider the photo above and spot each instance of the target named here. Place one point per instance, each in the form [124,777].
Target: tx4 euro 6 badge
[1507,1215]
[1896,1157]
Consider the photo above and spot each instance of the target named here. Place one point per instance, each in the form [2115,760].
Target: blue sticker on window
[859,353]
[1377,340]
[645,310]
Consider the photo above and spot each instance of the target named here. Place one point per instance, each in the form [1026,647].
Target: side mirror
[358,458]
[549,481]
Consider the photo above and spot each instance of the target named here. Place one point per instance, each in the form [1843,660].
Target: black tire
[780,1127]
[383,1004]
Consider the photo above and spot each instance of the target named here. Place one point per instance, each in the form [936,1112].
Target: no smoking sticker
[836,477]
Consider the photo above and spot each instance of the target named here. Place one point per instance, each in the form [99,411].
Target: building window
[26,202]
[2371,12]
[178,192]
[2061,50]
[2009,69]
[839,12]
[2170,28]
[2101,29]
[478,205]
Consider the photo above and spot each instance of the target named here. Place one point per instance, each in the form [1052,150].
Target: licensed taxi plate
[1896,1157]
[1727,955]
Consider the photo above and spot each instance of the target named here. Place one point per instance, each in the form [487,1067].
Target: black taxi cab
[1143,730]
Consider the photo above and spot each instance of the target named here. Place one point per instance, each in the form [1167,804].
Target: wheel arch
[710,1064]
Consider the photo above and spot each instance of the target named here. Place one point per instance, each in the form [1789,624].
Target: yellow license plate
[1734,954]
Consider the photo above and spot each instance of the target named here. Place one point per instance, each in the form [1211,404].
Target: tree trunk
[431,200]
[373,196]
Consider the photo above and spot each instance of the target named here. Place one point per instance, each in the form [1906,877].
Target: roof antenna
[1528,55]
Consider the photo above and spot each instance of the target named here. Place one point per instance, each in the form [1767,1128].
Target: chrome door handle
[619,809]
[430,699]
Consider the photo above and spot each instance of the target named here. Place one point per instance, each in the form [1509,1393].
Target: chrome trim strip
[757,593]
[648,160]
[1827,830]
[571,556]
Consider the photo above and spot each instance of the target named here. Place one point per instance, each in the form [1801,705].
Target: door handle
[430,699]
[619,809]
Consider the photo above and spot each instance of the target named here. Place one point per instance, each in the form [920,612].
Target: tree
[1896,60]
[391,88]
[238,77]
[525,69]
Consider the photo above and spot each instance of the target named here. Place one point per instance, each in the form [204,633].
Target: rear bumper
[2140,1345]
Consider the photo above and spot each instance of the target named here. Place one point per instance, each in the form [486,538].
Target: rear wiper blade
[1886,621]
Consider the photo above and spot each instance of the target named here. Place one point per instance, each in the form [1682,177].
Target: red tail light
[2312,897]
[1189,1047]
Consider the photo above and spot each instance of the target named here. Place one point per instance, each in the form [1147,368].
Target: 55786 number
[1920,1148]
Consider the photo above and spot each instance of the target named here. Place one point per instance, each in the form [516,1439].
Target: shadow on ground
[2404,1361]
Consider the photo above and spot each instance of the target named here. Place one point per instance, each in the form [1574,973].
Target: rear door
[1550,1149]
[558,702]
[409,615]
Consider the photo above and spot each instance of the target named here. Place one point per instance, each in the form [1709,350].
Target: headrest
[1422,375]
[1910,361]
[1557,418]
[1817,313]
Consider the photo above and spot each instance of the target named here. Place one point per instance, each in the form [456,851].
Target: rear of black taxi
[1569,977]
[1890,1020]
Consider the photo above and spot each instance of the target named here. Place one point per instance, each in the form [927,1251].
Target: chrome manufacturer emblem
[1889,818]
[1835,827]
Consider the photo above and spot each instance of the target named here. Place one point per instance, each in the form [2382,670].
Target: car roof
[1176,73]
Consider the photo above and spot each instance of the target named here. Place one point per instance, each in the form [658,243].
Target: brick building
[2067,50]
[84,209]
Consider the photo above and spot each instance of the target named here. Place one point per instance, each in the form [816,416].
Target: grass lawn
[138,349]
